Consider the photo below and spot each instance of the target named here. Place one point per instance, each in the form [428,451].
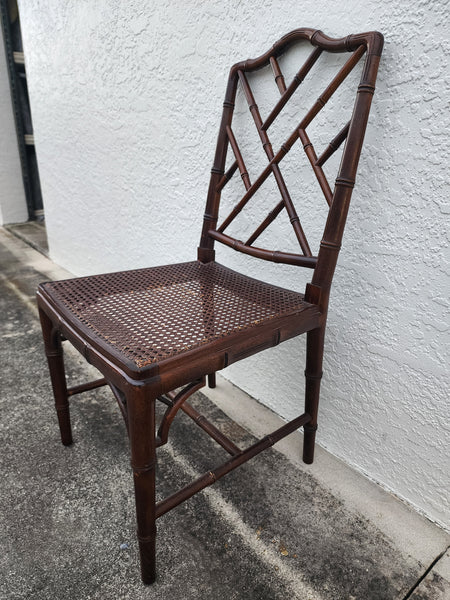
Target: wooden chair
[152,331]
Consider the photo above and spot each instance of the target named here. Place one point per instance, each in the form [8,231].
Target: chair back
[364,47]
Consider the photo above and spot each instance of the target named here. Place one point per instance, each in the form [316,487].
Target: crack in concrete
[425,573]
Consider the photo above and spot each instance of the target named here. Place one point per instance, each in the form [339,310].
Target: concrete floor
[31,232]
[273,529]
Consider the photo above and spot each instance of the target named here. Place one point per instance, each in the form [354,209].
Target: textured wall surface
[13,208]
[126,100]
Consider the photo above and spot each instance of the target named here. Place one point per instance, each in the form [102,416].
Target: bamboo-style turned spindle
[298,79]
[333,146]
[279,77]
[227,176]
[240,161]
[311,154]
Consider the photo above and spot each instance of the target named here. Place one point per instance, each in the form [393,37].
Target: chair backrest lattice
[337,199]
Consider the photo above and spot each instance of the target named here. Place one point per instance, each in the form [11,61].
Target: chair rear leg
[313,375]
[55,359]
[212,380]
[141,424]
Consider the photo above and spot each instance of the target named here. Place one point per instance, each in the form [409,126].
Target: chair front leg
[55,359]
[141,424]
[313,375]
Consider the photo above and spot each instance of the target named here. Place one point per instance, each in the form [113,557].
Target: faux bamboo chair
[151,331]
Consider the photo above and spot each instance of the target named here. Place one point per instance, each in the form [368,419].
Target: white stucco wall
[13,208]
[126,101]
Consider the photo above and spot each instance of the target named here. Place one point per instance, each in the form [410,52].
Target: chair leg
[55,359]
[313,375]
[212,380]
[141,424]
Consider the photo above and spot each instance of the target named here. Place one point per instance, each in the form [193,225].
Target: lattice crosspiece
[352,133]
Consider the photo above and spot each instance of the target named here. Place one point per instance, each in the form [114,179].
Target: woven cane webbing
[152,314]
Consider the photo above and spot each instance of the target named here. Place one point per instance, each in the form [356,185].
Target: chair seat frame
[138,389]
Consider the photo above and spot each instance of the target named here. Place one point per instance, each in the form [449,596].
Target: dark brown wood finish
[154,330]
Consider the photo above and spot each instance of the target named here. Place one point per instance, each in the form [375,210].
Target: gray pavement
[273,529]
